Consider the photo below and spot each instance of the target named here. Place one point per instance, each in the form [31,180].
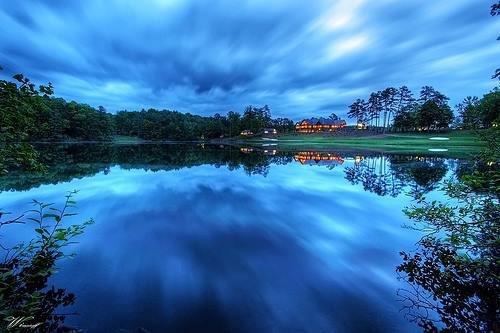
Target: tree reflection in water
[453,274]
[453,278]
[453,281]
[375,175]
[383,174]
[422,173]
[389,174]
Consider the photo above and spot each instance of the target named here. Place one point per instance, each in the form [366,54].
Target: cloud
[301,58]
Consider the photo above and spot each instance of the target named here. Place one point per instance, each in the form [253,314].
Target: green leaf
[40,231]
[70,214]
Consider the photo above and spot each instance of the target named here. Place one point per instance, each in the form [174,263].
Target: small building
[246,133]
[269,132]
[360,125]
[314,125]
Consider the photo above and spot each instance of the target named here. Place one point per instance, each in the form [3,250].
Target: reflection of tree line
[462,290]
[452,275]
[378,173]
[74,161]
[390,174]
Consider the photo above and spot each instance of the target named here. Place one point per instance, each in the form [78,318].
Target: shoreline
[458,143]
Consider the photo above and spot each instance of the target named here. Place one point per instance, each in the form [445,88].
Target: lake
[194,238]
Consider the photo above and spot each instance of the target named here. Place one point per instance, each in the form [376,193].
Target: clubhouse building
[314,125]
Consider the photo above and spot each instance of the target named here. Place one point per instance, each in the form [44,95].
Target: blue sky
[303,58]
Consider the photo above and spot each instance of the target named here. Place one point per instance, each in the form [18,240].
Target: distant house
[246,133]
[269,132]
[361,125]
[314,125]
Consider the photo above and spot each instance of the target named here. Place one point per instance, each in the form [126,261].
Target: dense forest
[397,109]
[172,125]
[30,114]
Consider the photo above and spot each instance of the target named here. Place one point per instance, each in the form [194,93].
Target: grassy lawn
[459,143]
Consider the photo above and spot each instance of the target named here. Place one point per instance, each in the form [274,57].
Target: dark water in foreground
[211,239]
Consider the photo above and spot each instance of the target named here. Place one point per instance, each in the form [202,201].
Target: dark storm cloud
[300,57]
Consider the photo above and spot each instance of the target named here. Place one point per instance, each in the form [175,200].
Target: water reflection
[389,174]
[28,300]
[318,158]
[225,239]
[423,173]
[449,292]
[383,174]
[452,275]
[376,174]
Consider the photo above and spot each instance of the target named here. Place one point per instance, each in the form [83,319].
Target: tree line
[31,114]
[172,125]
[397,109]
[480,113]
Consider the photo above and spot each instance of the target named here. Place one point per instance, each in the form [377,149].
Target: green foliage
[484,177]
[407,119]
[483,113]
[29,114]
[255,119]
[19,156]
[26,268]
[430,112]
[357,111]
[454,272]
[15,118]
[467,113]
[488,109]
[397,109]
[391,174]
[432,116]
[172,125]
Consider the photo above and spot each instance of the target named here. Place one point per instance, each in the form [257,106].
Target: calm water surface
[191,238]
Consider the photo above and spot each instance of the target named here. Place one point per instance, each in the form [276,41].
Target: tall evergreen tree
[467,112]
[388,99]
[357,110]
